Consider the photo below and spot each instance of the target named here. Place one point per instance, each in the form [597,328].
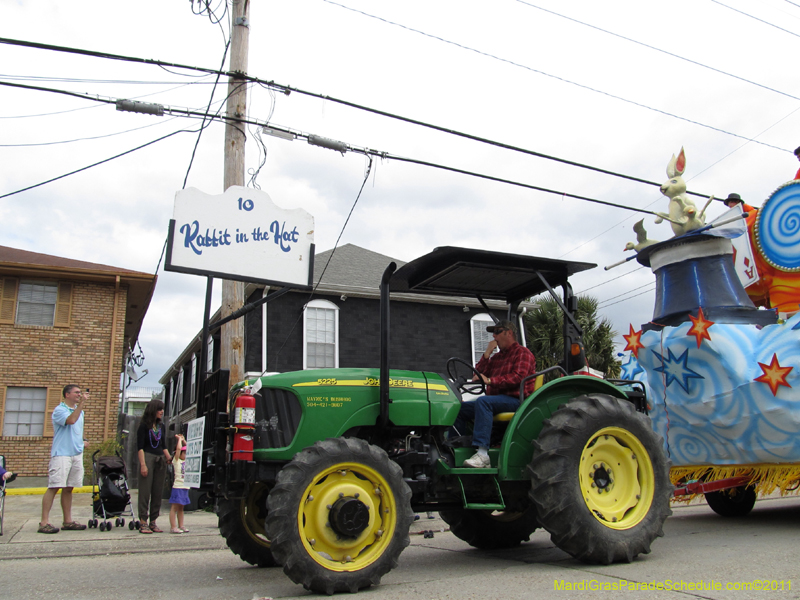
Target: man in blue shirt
[66,458]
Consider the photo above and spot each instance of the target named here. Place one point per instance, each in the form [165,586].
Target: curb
[84,489]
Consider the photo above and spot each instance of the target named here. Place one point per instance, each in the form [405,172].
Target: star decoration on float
[774,375]
[676,370]
[700,327]
[634,339]
[631,368]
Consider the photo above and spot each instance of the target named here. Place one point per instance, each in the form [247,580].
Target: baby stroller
[110,496]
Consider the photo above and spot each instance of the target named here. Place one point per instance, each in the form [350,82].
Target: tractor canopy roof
[453,271]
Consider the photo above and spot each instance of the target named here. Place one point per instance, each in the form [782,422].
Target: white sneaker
[478,461]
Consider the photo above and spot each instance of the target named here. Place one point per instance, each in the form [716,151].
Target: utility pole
[232,335]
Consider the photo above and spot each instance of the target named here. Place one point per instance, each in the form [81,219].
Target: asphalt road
[699,549]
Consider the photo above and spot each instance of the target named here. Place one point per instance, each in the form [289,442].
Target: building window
[210,357]
[178,394]
[195,383]
[320,335]
[188,387]
[24,412]
[36,303]
[480,337]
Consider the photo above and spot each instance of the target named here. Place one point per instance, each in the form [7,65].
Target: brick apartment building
[62,321]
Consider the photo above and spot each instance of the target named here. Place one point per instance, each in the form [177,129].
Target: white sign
[194,452]
[240,235]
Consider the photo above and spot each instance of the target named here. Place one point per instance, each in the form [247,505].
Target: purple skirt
[179,497]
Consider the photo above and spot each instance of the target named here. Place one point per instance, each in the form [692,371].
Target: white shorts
[65,471]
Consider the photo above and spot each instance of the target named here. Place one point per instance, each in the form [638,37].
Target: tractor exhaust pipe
[383,418]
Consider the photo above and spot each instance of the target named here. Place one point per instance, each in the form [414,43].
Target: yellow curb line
[85,489]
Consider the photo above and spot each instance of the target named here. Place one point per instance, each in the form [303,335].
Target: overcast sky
[620,86]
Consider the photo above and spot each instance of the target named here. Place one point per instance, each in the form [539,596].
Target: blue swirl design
[688,448]
[726,417]
[778,228]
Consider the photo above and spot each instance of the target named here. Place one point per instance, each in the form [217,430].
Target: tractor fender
[517,449]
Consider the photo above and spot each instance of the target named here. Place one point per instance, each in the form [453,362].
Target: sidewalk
[23,510]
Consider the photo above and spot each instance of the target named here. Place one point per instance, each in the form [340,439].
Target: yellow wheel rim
[616,478]
[254,513]
[353,483]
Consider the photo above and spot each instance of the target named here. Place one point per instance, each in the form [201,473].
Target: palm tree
[545,335]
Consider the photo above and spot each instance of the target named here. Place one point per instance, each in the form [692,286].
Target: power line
[510,182]
[289,89]
[107,55]
[628,292]
[330,257]
[626,299]
[610,280]
[39,88]
[208,108]
[741,12]
[121,154]
[341,147]
[563,79]
[52,114]
[672,54]
[85,139]
[101,81]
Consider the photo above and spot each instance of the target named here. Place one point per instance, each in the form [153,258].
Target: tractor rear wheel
[600,480]
[339,516]
[489,530]
[242,524]
[736,502]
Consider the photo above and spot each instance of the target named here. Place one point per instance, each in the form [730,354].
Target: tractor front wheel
[339,516]
[241,523]
[600,480]
[489,530]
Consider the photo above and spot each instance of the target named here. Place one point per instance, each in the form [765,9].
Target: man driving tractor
[502,373]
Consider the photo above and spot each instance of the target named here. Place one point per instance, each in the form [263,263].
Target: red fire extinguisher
[244,423]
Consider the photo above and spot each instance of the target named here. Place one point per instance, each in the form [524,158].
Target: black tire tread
[480,530]
[284,500]
[238,538]
[555,488]
[737,502]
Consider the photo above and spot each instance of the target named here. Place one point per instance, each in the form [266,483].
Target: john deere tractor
[343,458]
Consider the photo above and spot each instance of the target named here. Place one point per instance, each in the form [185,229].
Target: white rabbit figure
[683,216]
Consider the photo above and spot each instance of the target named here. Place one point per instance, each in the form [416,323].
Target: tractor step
[470,471]
[499,505]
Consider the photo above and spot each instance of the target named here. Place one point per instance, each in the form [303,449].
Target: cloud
[118,213]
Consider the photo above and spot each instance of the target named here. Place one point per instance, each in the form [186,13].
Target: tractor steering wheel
[464,384]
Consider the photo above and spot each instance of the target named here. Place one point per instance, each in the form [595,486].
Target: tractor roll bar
[383,419]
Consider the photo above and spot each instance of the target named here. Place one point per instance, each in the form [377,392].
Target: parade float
[721,355]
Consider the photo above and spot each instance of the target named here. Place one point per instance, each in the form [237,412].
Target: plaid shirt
[507,368]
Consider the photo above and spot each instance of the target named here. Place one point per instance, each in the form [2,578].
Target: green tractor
[342,459]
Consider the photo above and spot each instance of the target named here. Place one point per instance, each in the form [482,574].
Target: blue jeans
[481,412]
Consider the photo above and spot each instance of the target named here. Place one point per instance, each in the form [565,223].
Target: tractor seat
[505,417]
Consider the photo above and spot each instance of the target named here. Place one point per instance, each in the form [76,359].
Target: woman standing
[153,460]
